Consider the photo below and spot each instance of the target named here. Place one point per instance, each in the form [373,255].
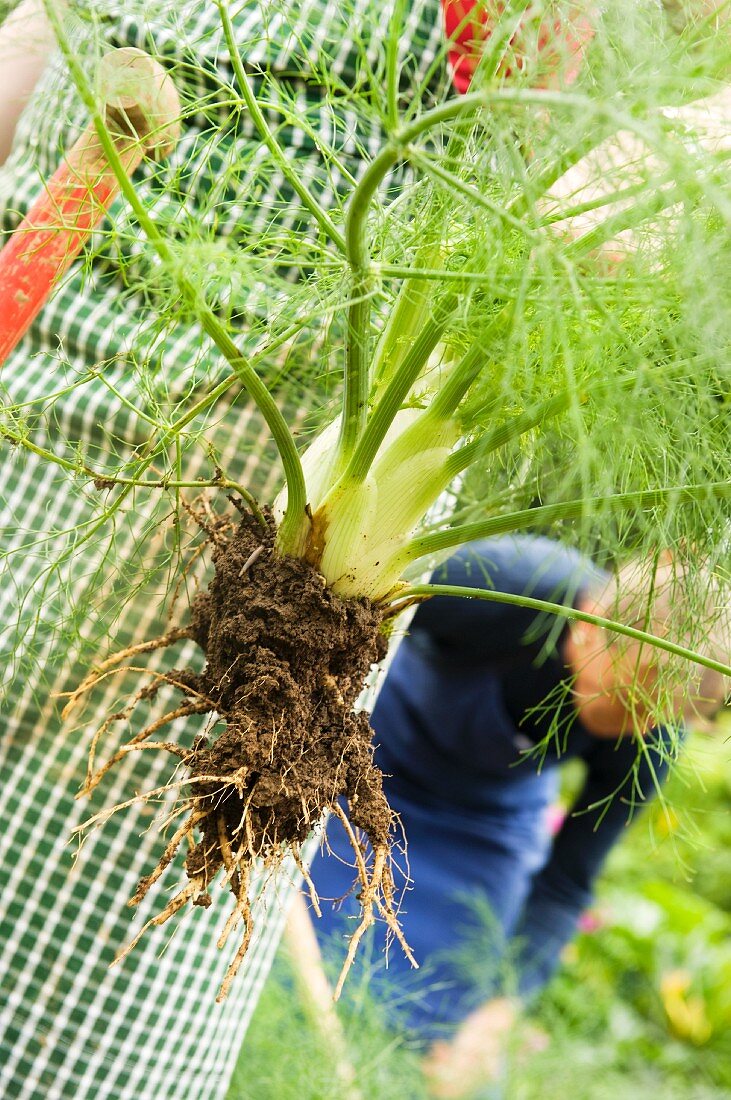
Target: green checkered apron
[69,1025]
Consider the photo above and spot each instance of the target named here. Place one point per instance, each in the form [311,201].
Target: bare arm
[26,41]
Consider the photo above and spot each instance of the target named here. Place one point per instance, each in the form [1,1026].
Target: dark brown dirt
[285,663]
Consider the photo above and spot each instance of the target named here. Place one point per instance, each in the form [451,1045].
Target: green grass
[641,1006]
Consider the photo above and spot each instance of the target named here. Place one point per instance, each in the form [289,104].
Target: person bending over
[482,702]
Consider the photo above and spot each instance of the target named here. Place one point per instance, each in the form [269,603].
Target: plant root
[377,890]
[314,899]
[285,662]
[144,885]
[243,909]
[139,741]
[194,889]
[174,635]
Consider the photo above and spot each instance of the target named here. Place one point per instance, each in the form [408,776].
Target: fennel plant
[481,344]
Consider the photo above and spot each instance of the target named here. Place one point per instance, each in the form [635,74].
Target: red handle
[47,241]
[142,109]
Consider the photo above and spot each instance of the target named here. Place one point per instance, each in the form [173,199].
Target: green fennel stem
[416,591]
[259,393]
[552,513]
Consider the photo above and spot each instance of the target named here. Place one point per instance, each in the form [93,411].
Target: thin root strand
[376,891]
[243,909]
[161,642]
[167,857]
[312,891]
[195,886]
[94,778]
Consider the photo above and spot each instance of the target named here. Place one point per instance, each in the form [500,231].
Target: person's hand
[474,1056]
[622,162]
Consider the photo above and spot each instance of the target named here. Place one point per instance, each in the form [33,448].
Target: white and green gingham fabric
[69,1025]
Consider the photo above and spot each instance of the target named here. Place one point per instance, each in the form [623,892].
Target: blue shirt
[456,738]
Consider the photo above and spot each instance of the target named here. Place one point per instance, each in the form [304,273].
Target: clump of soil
[285,663]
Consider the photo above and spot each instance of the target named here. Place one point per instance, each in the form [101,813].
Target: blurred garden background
[640,1008]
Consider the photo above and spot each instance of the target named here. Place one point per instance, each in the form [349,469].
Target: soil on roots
[285,662]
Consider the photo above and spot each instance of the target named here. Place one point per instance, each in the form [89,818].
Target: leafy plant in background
[483,353]
[656,972]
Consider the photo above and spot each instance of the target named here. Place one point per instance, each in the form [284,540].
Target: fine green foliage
[454,318]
